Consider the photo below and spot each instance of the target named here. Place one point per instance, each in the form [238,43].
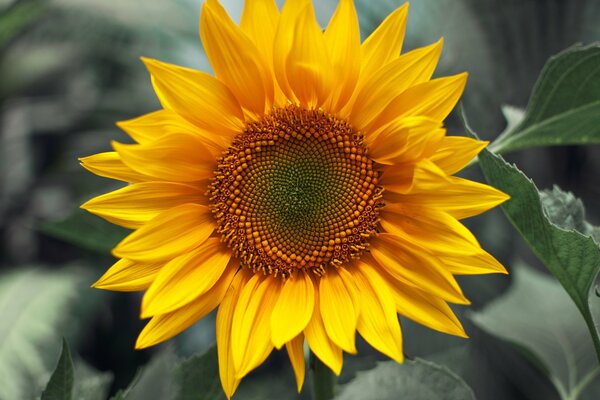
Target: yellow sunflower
[305,190]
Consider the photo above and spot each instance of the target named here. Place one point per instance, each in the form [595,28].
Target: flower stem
[322,380]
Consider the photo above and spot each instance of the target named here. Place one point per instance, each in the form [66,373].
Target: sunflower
[306,190]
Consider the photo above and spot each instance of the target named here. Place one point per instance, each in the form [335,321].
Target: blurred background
[69,69]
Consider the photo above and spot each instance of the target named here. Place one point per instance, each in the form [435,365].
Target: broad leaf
[34,305]
[198,377]
[565,104]
[153,381]
[87,231]
[571,256]
[537,315]
[60,386]
[415,380]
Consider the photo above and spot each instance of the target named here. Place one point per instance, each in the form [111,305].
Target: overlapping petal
[164,326]
[128,276]
[137,204]
[235,59]
[185,278]
[198,97]
[170,234]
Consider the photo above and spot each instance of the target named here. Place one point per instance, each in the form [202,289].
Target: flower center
[296,190]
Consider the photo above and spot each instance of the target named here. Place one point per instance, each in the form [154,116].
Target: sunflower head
[306,190]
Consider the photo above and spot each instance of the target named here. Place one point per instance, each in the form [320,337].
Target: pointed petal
[436,230]
[320,343]
[378,321]
[137,204]
[198,97]
[473,264]
[251,327]
[170,234]
[434,99]
[293,309]
[339,306]
[128,276]
[164,326]
[259,21]
[149,127]
[110,165]
[459,197]
[235,59]
[454,152]
[391,80]
[405,140]
[283,40]
[300,56]
[342,38]
[223,332]
[186,278]
[424,308]
[415,266]
[295,350]
[178,157]
[385,43]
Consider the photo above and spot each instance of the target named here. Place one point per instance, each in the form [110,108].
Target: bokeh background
[69,69]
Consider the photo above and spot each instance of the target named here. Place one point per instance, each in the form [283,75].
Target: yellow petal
[170,234]
[415,266]
[128,276]
[459,197]
[164,326]
[454,152]
[186,278]
[339,306]
[149,127]
[110,165]
[198,97]
[390,80]
[300,56]
[235,59]
[378,321]
[405,140]
[434,99]
[178,157]
[320,343]
[259,21]
[473,264]
[229,382]
[251,328]
[342,38]
[385,43]
[295,350]
[433,229]
[293,309]
[136,204]
[397,179]
[424,308]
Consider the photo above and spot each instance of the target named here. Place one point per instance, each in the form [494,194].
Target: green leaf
[86,231]
[17,16]
[154,380]
[567,211]
[34,305]
[572,257]
[415,380]
[60,386]
[198,377]
[537,315]
[565,104]
[91,384]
